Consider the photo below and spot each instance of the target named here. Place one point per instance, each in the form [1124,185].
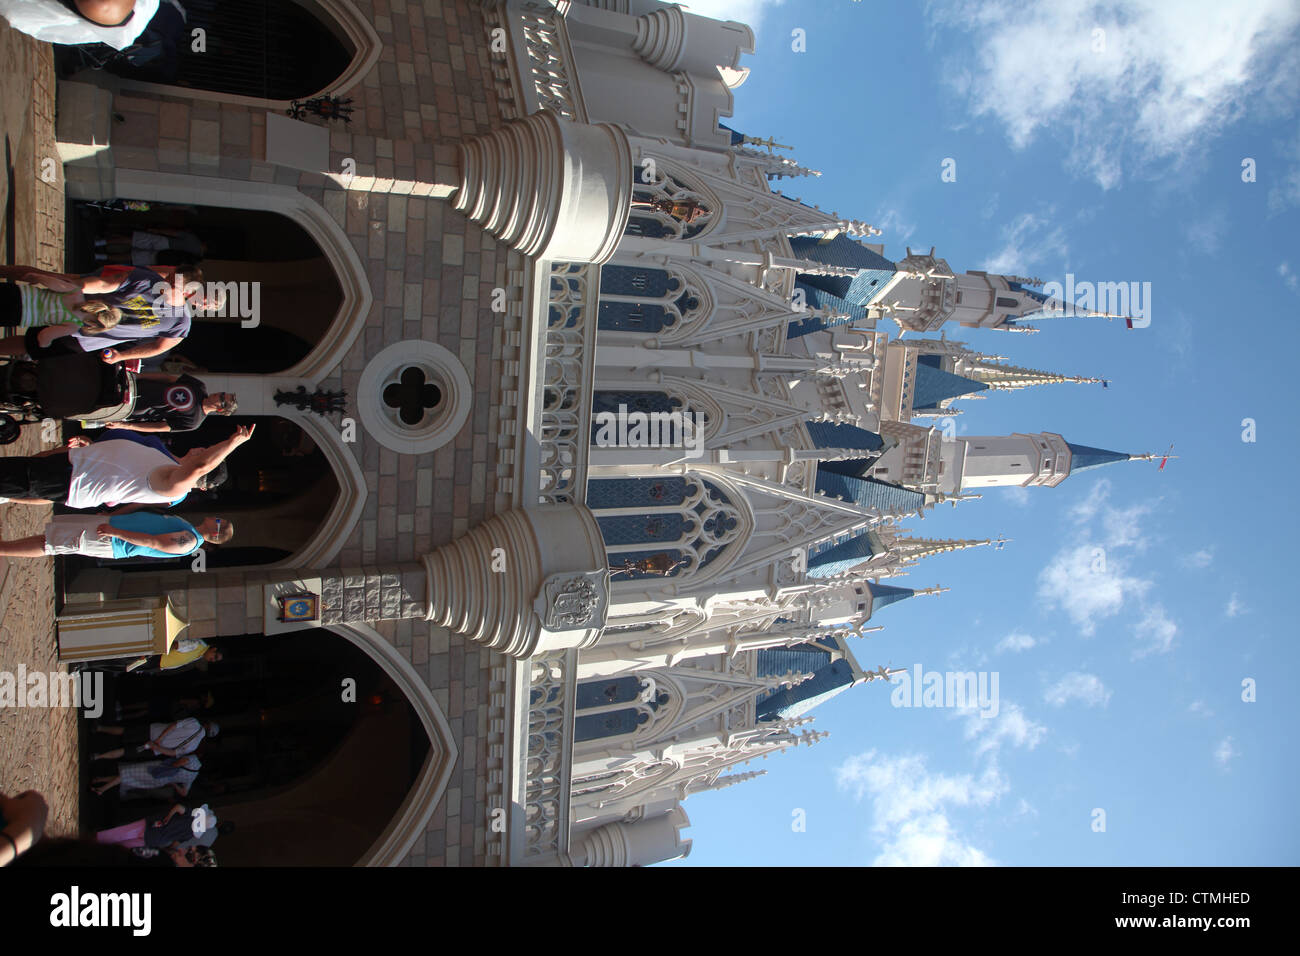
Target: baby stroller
[77,386]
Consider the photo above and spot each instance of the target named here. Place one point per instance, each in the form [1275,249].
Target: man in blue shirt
[135,534]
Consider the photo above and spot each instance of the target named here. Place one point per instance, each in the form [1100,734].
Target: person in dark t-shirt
[173,403]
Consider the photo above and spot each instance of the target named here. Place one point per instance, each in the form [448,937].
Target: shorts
[76,534]
[48,477]
[11,304]
[150,241]
[63,345]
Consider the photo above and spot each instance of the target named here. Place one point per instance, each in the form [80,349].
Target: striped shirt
[43,307]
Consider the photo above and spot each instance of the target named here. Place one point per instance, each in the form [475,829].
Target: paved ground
[38,748]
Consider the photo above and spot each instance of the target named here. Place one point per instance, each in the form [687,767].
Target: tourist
[116,470]
[137,779]
[173,403]
[114,22]
[135,534]
[210,834]
[155,312]
[176,739]
[146,247]
[186,654]
[169,709]
[57,313]
[172,829]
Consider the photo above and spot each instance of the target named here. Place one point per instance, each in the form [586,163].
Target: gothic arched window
[635,299]
[661,527]
[665,208]
[616,706]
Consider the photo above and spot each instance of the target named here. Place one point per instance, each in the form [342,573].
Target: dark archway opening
[269,49]
[309,772]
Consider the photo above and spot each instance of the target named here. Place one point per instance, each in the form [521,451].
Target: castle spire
[1002,377]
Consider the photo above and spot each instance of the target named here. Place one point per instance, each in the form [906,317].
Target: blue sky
[1122,689]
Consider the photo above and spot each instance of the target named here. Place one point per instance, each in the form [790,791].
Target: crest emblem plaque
[571,601]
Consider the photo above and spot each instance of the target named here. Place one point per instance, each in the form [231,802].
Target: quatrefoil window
[412,395]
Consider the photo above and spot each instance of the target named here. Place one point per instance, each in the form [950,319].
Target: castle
[536,208]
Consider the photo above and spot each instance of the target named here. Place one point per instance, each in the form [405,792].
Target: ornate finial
[328,107]
[855,227]
[321,401]
[928,591]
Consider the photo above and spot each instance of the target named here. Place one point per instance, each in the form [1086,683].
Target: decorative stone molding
[567,357]
[661,37]
[538,71]
[548,757]
[640,842]
[497,584]
[672,40]
[442,369]
[549,187]
[568,601]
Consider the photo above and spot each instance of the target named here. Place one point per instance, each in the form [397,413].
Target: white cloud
[1018,496]
[1087,509]
[1086,688]
[929,841]
[1170,77]
[1091,580]
[1009,726]
[893,227]
[1089,584]
[1290,278]
[910,808]
[1015,642]
[1200,708]
[748,12]
[1224,753]
[1122,529]
[1199,559]
[1234,606]
[1155,632]
[1028,240]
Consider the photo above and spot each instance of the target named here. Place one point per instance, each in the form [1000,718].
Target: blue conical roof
[819,298]
[840,251]
[883,595]
[804,658]
[1083,456]
[870,493]
[826,562]
[933,385]
[841,435]
[796,701]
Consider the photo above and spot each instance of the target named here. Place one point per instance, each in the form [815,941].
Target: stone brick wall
[431,273]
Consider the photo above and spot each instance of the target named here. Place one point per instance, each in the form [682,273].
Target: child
[43,307]
[64,313]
